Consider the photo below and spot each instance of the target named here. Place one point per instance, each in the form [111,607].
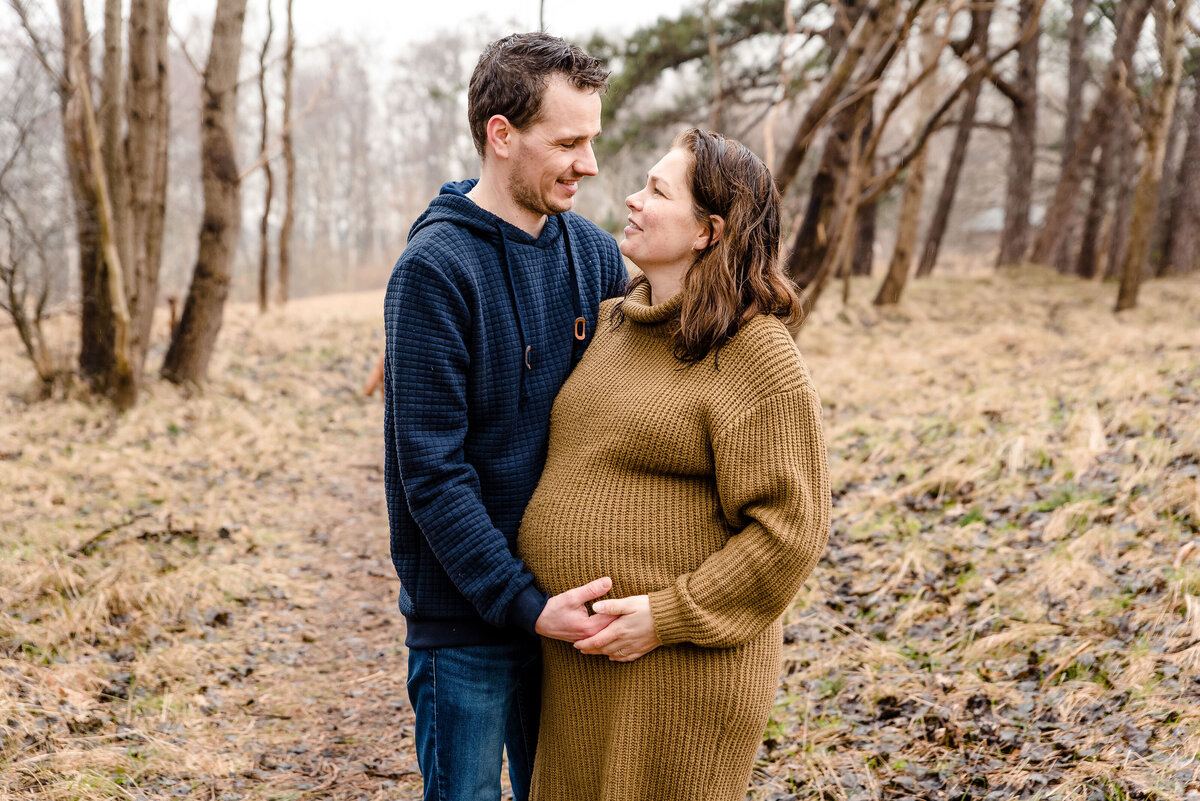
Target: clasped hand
[629,636]
[621,629]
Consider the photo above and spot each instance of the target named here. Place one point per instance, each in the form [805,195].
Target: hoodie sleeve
[427,321]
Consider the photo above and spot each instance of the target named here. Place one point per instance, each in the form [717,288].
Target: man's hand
[566,616]
[631,636]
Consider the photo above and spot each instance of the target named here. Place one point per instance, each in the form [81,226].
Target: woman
[686,461]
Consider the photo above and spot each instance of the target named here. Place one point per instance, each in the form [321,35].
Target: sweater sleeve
[428,324]
[773,481]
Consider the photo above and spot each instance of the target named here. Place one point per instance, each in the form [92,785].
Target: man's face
[548,158]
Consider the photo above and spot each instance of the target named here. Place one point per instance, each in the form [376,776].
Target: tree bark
[289,164]
[1126,139]
[1014,239]
[980,20]
[1182,250]
[1076,76]
[264,243]
[148,100]
[714,57]
[192,346]
[1133,17]
[1156,124]
[914,182]
[95,316]
[117,379]
[1090,243]
[863,32]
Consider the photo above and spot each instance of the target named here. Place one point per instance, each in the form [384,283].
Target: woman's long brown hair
[738,277]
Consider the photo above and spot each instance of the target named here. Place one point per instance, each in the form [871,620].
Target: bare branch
[39,48]
[187,56]
[266,155]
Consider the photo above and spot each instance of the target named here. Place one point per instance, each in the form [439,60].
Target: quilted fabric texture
[470,303]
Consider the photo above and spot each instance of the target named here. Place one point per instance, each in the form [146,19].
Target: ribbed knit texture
[706,488]
[466,423]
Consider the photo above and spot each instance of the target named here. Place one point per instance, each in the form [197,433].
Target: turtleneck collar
[637,306]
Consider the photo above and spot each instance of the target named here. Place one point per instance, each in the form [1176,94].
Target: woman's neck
[665,282]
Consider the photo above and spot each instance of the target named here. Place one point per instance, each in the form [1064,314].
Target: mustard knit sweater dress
[707,489]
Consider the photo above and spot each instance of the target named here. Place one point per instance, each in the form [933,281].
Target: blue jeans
[471,702]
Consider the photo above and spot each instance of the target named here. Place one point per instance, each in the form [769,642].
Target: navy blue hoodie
[480,320]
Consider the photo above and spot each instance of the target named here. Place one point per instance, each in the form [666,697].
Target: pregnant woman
[686,461]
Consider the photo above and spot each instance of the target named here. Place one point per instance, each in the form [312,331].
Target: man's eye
[568,145]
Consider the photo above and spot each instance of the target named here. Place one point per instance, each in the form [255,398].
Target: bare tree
[264,244]
[914,183]
[1131,16]
[289,162]
[1182,250]
[977,38]
[192,345]
[1158,120]
[1014,240]
[28,222]
[1076,77]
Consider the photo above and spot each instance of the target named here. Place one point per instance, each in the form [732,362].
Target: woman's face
[663,232]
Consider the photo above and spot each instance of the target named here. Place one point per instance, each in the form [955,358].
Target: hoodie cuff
[526,608]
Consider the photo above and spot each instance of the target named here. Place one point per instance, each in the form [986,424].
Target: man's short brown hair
[511,75]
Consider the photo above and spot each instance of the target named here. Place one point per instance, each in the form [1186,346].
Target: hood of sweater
[453,206]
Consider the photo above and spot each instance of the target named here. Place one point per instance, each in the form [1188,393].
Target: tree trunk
[914,182]
[1076,76]
[1090,240]
[862,260]
[1166,189]
[147,163]
[1014,240]
[289,164]
[1125,170]
[264,244]
[117,379]
[714,57]
[849,51]
[980,20]
[1158,119]
[192,346]
[1183,241]
[1132,18]
[95,317]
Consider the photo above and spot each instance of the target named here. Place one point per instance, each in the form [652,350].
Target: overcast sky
[415,20]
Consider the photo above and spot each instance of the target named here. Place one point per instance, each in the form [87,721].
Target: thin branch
[268,155]
[39,49]
[183,49]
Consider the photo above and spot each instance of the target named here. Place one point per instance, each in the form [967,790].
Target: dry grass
[196,600]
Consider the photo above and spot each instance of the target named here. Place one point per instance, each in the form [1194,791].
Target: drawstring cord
[579,326]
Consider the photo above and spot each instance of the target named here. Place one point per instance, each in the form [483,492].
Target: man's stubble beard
[528,197]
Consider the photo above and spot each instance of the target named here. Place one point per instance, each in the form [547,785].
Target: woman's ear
[716,227]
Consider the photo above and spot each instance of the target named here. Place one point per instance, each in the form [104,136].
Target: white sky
[399,21]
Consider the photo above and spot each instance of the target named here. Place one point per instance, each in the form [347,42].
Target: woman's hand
[630,636]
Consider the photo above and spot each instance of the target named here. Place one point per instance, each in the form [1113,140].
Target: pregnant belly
[568,539]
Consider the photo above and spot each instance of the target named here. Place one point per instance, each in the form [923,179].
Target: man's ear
[499,133]
[716,227]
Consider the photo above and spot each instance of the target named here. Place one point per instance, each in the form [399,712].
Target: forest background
[199,206]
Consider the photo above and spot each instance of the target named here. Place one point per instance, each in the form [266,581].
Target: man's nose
[586,163]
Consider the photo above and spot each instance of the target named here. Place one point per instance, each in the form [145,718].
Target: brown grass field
[196,599]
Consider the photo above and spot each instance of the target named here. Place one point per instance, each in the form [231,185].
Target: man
[487,311]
